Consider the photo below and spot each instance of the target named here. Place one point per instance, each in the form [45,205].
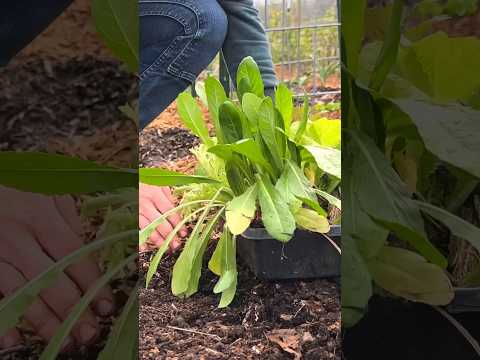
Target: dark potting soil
[158,146]
[41,99]
[305,313]
[400,330]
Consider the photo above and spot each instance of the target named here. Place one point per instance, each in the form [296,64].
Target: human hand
[155,201]
[37,231]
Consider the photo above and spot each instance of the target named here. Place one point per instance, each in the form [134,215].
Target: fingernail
[87,333]
[67,344]
[8,341]
[104,307]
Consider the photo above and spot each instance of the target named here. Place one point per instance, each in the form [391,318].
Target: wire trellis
[290,34]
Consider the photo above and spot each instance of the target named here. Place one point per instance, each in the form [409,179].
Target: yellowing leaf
[310,220]
[241,210]
[407,274]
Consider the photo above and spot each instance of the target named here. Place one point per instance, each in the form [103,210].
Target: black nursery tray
[306,255]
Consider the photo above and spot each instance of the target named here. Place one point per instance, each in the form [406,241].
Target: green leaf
[369,236]
[313,205]
[386,199]
[434,61]
[125,330]
[247,147]
[215,264]
[227,283]
[58,174]
[55,344]
[230,123]
[250,106]
[192,117]
[15,305]
[216,97]
[448,131]
[163,177]
[284,103]
[146,232]
[407,274]
[310,220]
[184,266]
[326,132]
[388,54]
[353,14]
[267,127]
[332,200]
[457,226]
[241,210]
[293,183]
[204,238]
[327,159]
[356,283]
[276,216]
[117,22]
[303,123]
[248,69]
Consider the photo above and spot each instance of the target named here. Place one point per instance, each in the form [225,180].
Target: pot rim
[262,234]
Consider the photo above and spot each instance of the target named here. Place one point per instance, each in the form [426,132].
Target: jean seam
[186,27]
[174,67]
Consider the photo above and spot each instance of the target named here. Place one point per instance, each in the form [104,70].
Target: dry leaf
[288,340]
[307,337]
[286,317]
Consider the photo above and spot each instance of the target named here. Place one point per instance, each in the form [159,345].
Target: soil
[400,330]
[267,320]
[160,147]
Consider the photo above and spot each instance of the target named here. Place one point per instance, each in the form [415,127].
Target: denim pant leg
[178,39]
[22,20]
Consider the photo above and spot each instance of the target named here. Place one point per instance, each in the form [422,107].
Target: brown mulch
[170,118]
[267,320]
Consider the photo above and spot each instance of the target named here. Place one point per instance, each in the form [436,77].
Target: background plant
[392,151]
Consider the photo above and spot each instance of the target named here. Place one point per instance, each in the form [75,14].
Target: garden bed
[306,313]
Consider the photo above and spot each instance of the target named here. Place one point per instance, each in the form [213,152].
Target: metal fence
[304,37]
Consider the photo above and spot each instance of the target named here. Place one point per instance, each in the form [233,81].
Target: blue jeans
[22,20]
[178,39]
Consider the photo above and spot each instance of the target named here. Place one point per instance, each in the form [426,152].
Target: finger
[67,209]
[166,190]
[25,254]
[11,338]
[155,237]
[38,315]
[149,211]
[165,203]
[59,240]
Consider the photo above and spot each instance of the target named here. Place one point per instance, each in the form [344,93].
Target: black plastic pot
[395,329]
[306,255]
[466,300]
